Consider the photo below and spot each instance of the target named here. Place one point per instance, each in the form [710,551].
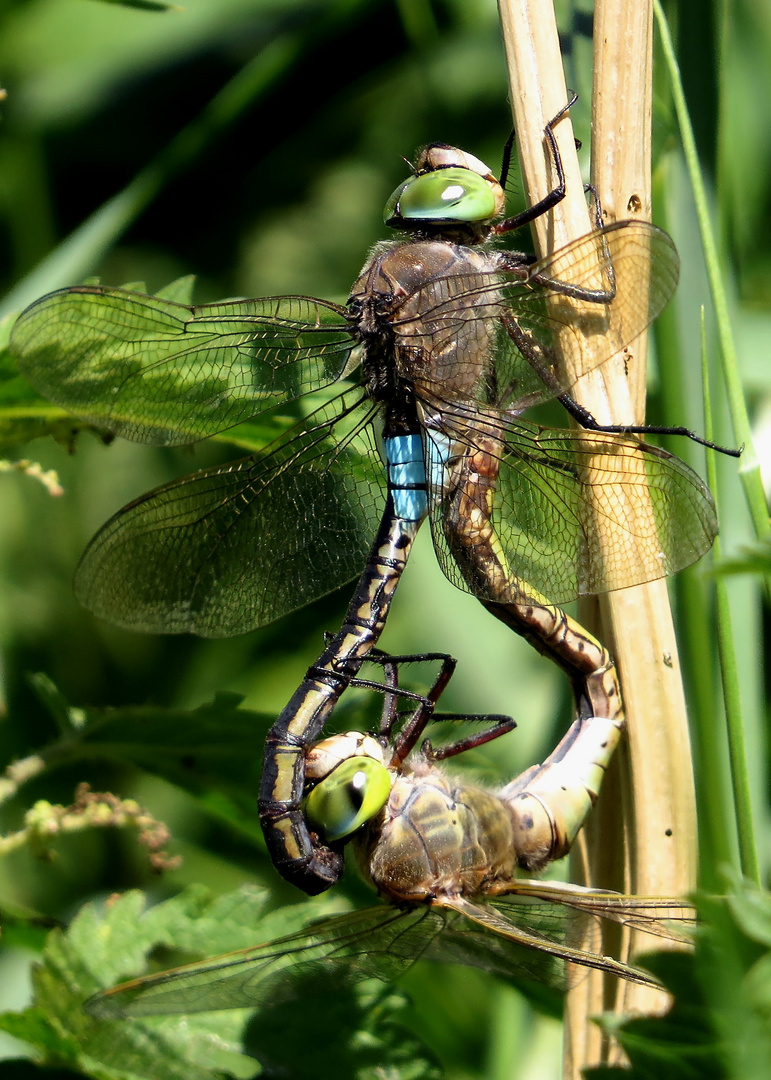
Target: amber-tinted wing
[528,322]
[573,513]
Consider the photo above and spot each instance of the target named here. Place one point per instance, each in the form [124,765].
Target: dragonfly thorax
[434,838]
[417,330]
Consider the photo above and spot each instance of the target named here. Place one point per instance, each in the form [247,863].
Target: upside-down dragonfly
[446,853]
[442,345]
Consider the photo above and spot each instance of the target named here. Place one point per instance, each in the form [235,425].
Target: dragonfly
[444,855]
[408,403]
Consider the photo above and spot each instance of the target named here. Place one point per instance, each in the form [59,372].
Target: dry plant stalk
[652,851]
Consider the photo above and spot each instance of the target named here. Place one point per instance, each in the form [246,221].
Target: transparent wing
[160,372]
[230,548]
[573,513]
[530,934]
[521,320]
[379,942]
[539,927]
[530,941]
[661,916]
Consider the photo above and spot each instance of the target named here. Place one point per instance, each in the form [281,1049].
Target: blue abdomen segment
[407,476]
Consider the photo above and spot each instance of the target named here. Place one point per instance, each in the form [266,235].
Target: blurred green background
[254,144]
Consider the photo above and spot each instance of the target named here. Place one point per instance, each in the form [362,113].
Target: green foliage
[754,559]
[145,5]
[719,1024]
[100,948]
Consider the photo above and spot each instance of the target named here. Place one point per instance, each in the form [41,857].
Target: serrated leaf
[180,290]
[24,414]
[364,1029]
[718,1026]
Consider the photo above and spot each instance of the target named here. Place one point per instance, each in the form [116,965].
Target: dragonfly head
[451,191]
[351,784]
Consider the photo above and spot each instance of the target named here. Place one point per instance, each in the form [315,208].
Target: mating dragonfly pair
[444,342]
[445,854]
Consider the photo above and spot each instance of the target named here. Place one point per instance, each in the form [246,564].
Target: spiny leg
[498,725]
[424,714]
[390,688]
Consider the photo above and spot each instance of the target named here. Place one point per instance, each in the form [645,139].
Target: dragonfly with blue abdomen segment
[445,340]
[446,854]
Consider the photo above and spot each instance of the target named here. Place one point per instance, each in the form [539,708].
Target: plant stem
[655,852]
[750,469]
[729,674]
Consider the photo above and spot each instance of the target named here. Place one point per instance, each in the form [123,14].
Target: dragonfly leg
[310,865]
[582,416]
[416,725]
[556,195]
[542,363]
[390,687]
[550,802]
[498,725]
[424,714]
[391,691]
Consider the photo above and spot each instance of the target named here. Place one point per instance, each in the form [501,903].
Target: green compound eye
[453,194]
[348,797]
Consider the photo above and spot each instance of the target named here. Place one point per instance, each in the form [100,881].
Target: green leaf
[361,1031]
[718,1025]
[751,559]
[342,1031]
[25,414]
[213,752]
[97,950]
[180,290]
[217,743]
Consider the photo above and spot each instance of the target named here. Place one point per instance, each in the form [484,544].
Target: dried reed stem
[652,851]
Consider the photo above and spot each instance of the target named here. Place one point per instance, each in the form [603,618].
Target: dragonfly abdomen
[407,476]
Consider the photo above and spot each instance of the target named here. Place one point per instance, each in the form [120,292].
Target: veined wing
[230,548]
[575,513]
[379,942]
[537,940]
[661,916]
[160,372]
[382,942]
[533,319]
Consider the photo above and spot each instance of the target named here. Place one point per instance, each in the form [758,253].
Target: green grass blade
[750,469]
[729,673]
